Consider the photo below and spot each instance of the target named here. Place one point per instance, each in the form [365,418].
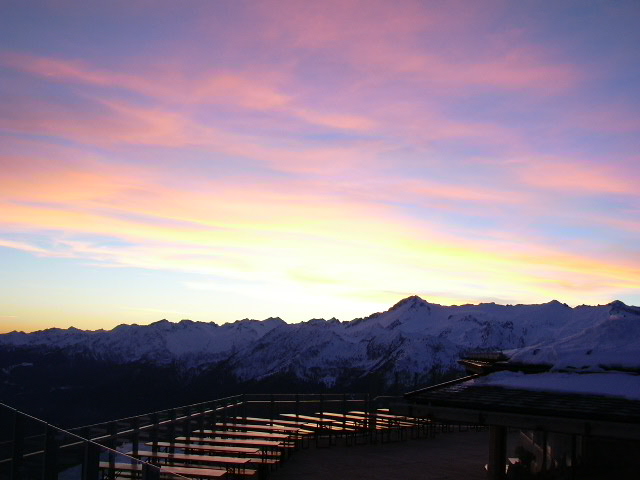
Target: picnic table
[234,465]
[203,473]
[268,447]
[206,448]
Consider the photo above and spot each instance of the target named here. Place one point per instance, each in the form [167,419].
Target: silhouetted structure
[561,434]
[241,436]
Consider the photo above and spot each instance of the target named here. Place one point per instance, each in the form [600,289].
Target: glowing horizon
[302,160]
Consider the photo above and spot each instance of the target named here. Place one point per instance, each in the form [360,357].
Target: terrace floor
[457,455]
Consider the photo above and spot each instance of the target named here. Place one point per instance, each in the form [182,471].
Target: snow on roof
[617,384]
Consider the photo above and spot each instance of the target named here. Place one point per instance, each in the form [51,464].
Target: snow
[612,341]
[409,342]
[615,384]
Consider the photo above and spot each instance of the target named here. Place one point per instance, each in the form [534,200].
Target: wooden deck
[448,456]
[254,446]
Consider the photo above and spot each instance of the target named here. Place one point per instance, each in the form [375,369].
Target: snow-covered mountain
[411,343]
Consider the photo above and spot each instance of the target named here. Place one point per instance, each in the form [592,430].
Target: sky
[219,160]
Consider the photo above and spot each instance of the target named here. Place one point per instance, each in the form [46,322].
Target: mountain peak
[274,320]
[556,303]
[617,303]
[411,302]
[164,321]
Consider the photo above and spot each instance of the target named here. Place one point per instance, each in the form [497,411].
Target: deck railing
[183,420]
[31,449]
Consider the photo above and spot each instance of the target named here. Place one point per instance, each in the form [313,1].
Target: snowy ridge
[160,342]
[407,344]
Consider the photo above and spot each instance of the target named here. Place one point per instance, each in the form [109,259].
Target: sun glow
[305,167]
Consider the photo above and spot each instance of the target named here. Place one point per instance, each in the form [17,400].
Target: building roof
[475,395]
[605,403]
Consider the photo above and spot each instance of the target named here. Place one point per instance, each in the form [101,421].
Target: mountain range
[412,344]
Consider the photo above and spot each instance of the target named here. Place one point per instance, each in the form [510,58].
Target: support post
[186,426]
[135,438]
[545,455]
[154,432]
[173,416]
[201,418]
[17,447]
[112,444]
[50,463]
[272,407]
[91,461]
[497,452]
[574,457]
[344,412]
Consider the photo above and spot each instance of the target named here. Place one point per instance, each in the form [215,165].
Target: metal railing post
[186,427]
[154,432]
[172,427]
[50,461]
[201,418]
[135,425]
[90,461]
[17,447]
[272,407]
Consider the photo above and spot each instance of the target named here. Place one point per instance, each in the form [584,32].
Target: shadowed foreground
[459,455]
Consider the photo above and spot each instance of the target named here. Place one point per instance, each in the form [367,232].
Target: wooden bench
[204,473]
[320,422]
[249,442]
[275,447]
[295,433]
[385,423]
[279,421]
[266,456]
[233,464]
[309,419]
[415,425]
[246,434]
[268,421]
[258,427]
[395,419]
[206,448]
[325,427]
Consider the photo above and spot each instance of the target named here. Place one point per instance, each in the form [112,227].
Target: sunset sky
[217,160]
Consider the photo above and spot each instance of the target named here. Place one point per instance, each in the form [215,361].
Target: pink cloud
[246,90]
[584,177]
[108,122]
[462,193]
[519,68]
[400,46]
[122,123]
[604,119]
[166,83]
[343,122]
